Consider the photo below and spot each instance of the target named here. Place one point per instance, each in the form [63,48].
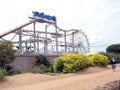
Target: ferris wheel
[79,42]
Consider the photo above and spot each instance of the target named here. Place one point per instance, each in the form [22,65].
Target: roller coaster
[50,40]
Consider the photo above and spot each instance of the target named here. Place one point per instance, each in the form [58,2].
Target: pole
[30,44]
[20,42]
[56,37]
[45,42]
[73,40]
[37,43]
[34,35]
[65,41]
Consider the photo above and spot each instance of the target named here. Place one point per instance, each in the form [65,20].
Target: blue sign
[42,15]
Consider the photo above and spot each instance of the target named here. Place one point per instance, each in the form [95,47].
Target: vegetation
[41,59]
[116,56]
[42,65]
[74,62]
[7,53]
[3,73]
[113,51]
[98,60]
[66,63]
[114,48]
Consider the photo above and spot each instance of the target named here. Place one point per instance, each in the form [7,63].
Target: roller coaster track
[49,22]
[17,28]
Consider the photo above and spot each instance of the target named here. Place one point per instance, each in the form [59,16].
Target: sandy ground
[86,79]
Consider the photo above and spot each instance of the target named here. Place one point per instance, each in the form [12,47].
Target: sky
[98,18]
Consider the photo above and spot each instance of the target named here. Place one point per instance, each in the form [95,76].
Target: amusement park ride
[50,40]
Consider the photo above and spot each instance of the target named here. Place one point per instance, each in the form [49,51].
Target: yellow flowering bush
[98,59]
[74,62]
[70,62]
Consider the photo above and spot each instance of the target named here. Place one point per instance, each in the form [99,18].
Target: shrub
[90,61]
[41,59]
[3,73]
[99,60]
[74,62]
[70,63]
[43,65]
[17,72]
[116,56]
[103,53]
[42,69]
[37,70]
[7,53]
[58,64]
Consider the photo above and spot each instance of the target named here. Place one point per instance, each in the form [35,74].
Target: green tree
[7,53]
[114,48]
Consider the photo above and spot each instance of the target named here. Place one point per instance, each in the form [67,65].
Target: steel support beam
[20,42]
[65,41]
[34,35]
[56,38]
[73,41]
[46,42]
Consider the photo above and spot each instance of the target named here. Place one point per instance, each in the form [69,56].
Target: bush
[37,70]
[17,72]
[41,59]
[7,53]
[42,69]
[103,53]
[45,68]
[74,62]
[90,61]
[70,63]
[116,56]
[3,73]
[43,65]
[58,64]
[99,60]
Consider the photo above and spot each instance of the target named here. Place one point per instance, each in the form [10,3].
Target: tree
[114,48]
[7,53]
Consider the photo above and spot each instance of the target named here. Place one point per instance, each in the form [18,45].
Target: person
[113,64]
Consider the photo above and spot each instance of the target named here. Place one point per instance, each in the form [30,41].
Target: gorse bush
[58,64]
[70,63]
[98,59]
[74,62]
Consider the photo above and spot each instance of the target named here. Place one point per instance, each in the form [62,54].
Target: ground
[86,79]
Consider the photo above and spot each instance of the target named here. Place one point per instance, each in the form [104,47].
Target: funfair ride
[51,40]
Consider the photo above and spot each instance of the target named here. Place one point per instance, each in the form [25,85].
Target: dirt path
[83,80]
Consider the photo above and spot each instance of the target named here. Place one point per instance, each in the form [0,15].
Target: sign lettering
[43,16]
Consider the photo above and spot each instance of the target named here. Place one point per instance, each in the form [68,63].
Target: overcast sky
[100,19]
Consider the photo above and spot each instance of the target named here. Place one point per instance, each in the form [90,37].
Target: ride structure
[49,39]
